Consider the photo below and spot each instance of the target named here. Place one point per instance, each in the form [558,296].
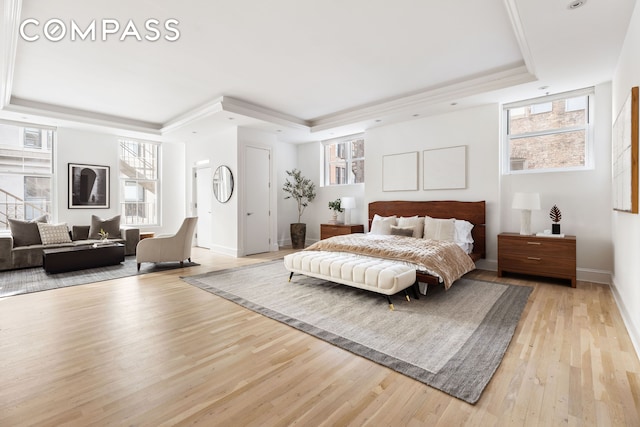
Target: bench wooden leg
[406,295]
[416,290]
[390,303]
[290,276]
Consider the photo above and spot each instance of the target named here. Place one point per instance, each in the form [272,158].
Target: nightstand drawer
[542,246]
[539,265]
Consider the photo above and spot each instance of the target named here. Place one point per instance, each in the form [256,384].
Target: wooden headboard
[474,212]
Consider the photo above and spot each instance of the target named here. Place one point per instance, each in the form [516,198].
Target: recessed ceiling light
[194,132]
[454,103]
[378,120]
[231,118]
[278,130]
[576,4]
[416,115]
[543,87]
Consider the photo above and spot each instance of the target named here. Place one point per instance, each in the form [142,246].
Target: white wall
[85,147]
[310,162]
[583,197]
[218,149]
[477,128]
[626,227]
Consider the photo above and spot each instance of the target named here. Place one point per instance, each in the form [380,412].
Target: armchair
[176,247]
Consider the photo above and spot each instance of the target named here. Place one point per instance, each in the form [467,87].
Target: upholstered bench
[385,277]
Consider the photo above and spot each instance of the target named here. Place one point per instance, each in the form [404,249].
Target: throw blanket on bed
[446,259]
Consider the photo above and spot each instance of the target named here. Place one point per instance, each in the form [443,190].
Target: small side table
[146,234]
[540,256]
[330,230]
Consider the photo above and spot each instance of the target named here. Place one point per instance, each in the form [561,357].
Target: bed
[346,259]
[473,212]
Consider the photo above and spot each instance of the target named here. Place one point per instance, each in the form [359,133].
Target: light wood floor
[153,350]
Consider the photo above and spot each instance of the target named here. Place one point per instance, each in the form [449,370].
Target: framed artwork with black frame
[88,186]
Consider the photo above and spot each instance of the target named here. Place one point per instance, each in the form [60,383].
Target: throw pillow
[439,229]
[414,221]
[382,225]
[401,231]
[26,233]
[80,232]
[52,234]
[111,226]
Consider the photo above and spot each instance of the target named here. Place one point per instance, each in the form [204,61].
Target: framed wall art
[400,172]
[88,186]
[445,168]
[624,156]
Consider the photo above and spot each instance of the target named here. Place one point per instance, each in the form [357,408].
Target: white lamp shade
[527,201]
[347,202]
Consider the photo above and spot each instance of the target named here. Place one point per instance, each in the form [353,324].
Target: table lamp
[526,202]
[347,203]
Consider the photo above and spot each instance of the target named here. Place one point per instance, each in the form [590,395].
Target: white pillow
[382,224]
[439,229]
[463,231]
[51,234]
[413,221]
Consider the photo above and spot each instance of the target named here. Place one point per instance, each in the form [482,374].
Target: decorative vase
[298,235]
[334,218]
[555,228]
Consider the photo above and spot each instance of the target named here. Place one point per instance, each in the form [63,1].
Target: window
[26,171]
[344,160]
[550,133]
[138,182]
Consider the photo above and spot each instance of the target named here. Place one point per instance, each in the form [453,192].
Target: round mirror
[223,184]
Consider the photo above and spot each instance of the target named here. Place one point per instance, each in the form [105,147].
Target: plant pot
[298,235]
[555,228]
[334,218]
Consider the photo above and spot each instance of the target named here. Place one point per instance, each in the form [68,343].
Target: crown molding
[262,113]
[447,93]
[518,29]
[205,110]
[237,106]
[10,24]
[70,115]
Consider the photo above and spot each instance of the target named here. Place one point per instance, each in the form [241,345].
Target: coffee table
[70,258]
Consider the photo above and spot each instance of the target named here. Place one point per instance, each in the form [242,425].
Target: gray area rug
[27,280]
[452,340]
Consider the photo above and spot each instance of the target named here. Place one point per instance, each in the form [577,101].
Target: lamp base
[525,222]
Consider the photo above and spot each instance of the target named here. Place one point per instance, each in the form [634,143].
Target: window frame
[587,127]
[124,180]
[24,174]
[349,159]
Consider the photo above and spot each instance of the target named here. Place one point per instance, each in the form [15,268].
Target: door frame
[242,208]
[194,186]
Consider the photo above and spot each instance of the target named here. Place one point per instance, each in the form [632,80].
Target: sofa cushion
[26,233]
[54,233]
[111,226]
[79,232]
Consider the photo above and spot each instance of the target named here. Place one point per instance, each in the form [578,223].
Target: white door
[257,197]
[203,201]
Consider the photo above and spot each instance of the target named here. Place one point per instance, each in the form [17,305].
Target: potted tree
[303,191]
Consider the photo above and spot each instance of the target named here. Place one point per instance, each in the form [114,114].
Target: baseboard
[224,250]
[595,276]
[634,334]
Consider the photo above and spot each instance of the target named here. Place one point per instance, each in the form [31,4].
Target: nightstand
[539,256]
[330,230]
